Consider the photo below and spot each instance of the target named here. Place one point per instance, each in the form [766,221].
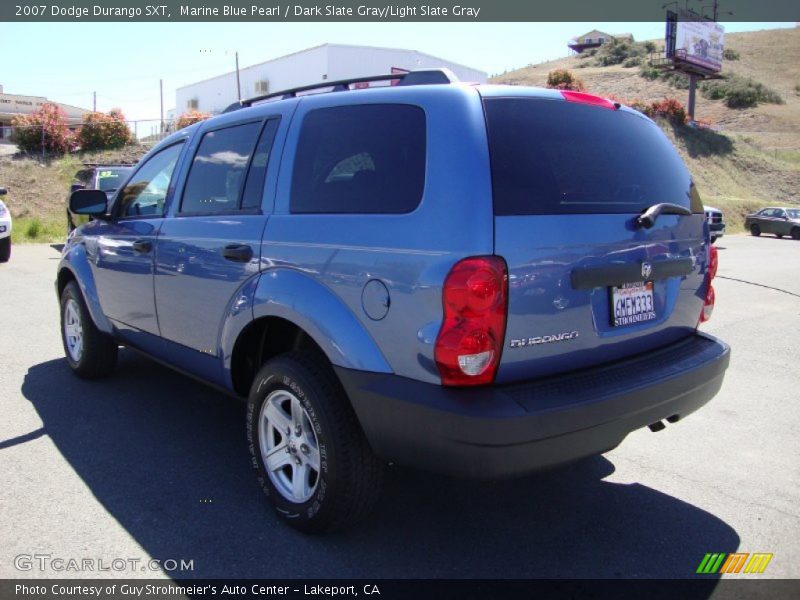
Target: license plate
[632,303]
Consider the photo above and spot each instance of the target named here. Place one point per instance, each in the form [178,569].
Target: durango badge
[544,339]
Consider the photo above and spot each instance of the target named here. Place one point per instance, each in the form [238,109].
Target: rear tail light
[711,272]
[470,342]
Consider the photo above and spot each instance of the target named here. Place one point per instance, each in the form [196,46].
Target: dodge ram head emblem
[647,269]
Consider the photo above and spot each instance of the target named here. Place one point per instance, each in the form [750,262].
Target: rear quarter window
[360,159]
[559,157]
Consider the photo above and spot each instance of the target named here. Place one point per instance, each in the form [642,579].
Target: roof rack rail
[416,77]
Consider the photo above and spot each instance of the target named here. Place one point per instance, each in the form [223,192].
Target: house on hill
[594,39]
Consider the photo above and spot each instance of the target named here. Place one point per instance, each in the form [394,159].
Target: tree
[191,117]
[45,129]
[103,131]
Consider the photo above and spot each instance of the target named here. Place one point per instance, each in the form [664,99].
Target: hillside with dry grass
[750,157]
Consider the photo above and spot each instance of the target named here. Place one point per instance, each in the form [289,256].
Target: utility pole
[238,84]
[161,94]
[94,101]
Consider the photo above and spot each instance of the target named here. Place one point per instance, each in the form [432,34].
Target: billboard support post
[692,93]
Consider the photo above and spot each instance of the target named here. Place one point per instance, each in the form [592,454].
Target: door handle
[142,246]
[238,252]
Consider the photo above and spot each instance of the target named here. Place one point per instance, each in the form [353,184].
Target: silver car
[779,221]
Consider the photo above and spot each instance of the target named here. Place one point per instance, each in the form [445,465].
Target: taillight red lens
[711,272]
[584,98]
[713,262]
[708,304]
[470,342]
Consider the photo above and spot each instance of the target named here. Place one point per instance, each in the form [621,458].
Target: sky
[123,62]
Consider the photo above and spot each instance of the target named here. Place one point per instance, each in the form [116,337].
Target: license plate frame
[631,304]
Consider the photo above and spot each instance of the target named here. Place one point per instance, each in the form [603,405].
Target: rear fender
[298,298]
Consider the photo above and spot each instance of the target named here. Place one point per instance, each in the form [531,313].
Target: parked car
[5,229]
[716,223]
[107,178]
[779,221]
[444,276]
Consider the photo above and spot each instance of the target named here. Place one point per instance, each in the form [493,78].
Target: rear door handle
[238,252]
[142,246]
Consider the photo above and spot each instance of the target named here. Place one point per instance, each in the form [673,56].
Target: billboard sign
[699,41]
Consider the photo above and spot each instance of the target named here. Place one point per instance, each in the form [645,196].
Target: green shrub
[729,54]
[104,131]
[617,52]
[33,229]
[46,127]
[649,47]
[714,89]
[633,61]
[562,79]
[739,92]
[649,72]
[676,79]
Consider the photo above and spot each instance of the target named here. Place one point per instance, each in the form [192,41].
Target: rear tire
[91,354]
[795,233]
[755,230]
[779,235]
[5,249]
[322,474]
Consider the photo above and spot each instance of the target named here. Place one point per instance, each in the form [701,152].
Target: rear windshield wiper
[648,218]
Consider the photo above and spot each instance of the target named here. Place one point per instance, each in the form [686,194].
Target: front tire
[91,354]
[795,233]
[309,452]
[5,249]
[755,230]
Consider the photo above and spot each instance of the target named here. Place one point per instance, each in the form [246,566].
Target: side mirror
[89,202]
[3,191]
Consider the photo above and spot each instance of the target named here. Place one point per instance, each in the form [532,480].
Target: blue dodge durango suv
[472,279]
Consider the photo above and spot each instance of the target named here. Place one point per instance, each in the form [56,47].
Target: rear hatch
[587,285]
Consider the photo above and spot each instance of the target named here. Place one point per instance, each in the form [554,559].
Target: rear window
[360,159]
[109,180]
[557,157]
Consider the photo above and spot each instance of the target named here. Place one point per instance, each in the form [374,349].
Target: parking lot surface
[150,464]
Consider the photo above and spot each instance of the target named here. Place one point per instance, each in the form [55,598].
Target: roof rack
[416,77]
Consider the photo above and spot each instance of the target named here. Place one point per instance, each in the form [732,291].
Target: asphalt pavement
[151,465]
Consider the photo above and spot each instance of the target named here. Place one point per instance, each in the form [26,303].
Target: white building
[14,105]
[328,62]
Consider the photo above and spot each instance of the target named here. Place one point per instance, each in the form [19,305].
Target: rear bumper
[514,429]
[717,230]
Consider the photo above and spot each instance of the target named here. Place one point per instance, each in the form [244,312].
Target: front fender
[76,262]
[298,298]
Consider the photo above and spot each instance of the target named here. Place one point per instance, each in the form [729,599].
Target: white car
[5,229]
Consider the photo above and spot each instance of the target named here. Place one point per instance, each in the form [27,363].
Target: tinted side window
[216,177]
[558,157]
[254,187]
[146,192]
[360,159]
